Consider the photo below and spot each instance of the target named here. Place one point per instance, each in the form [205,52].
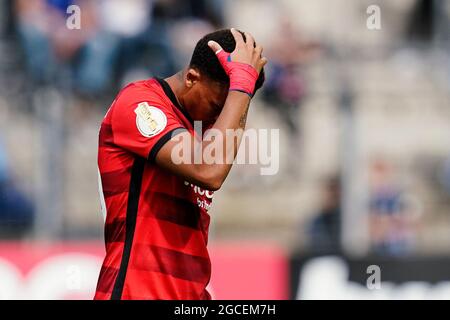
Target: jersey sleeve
[143,125]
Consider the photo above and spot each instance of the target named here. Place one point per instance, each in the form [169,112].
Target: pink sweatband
[242,76]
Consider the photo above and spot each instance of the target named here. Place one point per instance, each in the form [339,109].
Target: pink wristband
[243,76]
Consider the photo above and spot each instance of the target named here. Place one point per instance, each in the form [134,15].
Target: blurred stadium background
[364,119]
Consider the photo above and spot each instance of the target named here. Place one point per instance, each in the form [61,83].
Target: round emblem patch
[149,120]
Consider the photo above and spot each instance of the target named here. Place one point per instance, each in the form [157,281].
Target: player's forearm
[234,113]
[227,133]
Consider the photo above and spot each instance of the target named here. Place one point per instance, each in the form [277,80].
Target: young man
[156,227]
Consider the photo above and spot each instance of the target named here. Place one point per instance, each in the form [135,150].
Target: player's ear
[192,77]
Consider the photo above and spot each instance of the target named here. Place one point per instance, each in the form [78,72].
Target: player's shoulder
[148,91]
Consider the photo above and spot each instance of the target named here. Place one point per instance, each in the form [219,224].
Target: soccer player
[156,228]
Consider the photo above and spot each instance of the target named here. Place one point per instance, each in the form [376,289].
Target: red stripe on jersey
[182,211]
[171,236]
[105,135]
[116,182]
[106,279]
[115,231]
[158,286]
[171,262]
[114,253]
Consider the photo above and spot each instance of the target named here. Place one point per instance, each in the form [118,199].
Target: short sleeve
[143,127]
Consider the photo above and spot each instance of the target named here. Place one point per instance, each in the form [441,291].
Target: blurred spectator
[391,225]
[6,18]
[16,210]
[189,21]
[117,39]
[285,88]
[420,26]
[324,229]
[146,29]
[70,59]
[145,46]
[208,10]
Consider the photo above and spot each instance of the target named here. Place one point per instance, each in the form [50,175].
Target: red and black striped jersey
[156,224]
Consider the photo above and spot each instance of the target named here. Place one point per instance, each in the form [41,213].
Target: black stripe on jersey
[169,93]
[132,208]
[162,141]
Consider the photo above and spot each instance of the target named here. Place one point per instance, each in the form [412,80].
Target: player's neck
[176,84]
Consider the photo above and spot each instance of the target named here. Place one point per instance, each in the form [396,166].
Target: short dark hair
[205,60]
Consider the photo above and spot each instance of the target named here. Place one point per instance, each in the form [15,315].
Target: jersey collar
[171,95]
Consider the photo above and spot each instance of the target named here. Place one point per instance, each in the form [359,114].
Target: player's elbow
[211,179]
[215,185]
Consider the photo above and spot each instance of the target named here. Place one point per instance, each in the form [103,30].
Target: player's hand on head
[244,64]
[245,52]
